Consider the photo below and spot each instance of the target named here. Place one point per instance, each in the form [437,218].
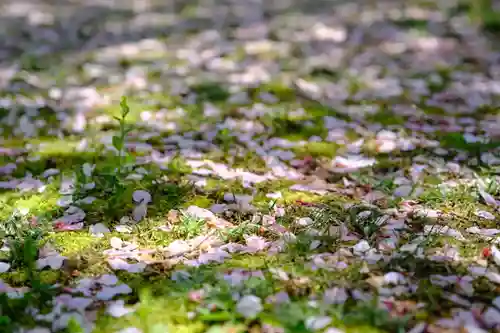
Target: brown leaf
[173,216]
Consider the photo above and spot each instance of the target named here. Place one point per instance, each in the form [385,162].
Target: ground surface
[283,167]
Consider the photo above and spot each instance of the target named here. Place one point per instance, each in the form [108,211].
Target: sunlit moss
[76,242]
[165,313]
[317,149]
[38,204]
[200,201]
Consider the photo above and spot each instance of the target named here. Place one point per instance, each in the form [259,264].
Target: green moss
[217,187]
[154,314]
[386,118]
[293,129]
[251,262]
[250,162]
[210,92]
[55,147]
[39,204]
[15,278]
[283,92]
[200,201]
[76,242]
[409,23]
[317,149]
[50,277]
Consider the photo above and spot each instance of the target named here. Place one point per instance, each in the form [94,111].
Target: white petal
[118,309]
[62,321]
[333,330]
[361,247]
[249,306]
[403,191]
[4,267]
[65,201]
[304,221]
[141,197]
[485,215]
[98,229]
[488,198]
[483,232]
[317,323]
[335,296]
[255,244]
[130,330]
[124,229]
[88,169]
[116,243]
[108,280]
[491,317]
[200,213]
[213,255]
[496,302]
[107,293]
[139,212]
[394,278]
[419,328]
[495,253]
[38,330]
[119,264]
[73,303]
[53,261]
[87,200]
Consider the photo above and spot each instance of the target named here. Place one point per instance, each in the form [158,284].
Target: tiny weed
[366,221]
[237,234]
[23,239]
[225,139]
[119,140]
[370,314]
[188,227]
[112,178]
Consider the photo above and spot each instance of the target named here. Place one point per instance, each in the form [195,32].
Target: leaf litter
[306,172]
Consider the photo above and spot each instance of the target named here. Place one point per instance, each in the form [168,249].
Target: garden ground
[248,167]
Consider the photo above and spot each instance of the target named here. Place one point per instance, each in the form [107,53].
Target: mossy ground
[214,114]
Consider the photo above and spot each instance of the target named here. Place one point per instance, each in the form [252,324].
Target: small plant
[458,141]
[325,216]
[13,312]
[22,237]
[366,221]
[113,176]
[301,245]
[237,234]
[119,140]
[224,138]
[188,227]
[484,13]
[370,314]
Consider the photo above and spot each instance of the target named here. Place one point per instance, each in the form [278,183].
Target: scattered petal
[4,267]
[317,323]
[141,197]
[117,309]
[249,306]
[108,292]
[139,212]
[98,230]
[335,296]
[119,264]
